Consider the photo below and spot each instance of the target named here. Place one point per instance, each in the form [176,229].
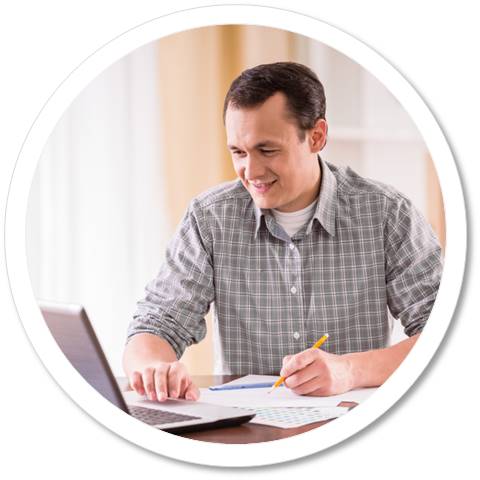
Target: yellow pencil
[319,343]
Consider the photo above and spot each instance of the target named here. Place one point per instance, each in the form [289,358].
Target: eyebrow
[267,143]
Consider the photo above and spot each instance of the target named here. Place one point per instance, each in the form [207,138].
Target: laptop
[74,334]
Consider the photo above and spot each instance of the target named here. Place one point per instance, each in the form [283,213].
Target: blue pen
[242,385]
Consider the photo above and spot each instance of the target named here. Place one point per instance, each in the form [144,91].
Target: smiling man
[293,249]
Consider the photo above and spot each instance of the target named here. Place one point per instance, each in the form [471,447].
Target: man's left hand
[318,373]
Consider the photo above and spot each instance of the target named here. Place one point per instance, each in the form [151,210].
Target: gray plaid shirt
[365,251]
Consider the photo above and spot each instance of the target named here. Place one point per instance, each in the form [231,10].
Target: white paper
[295,417]
[280,397]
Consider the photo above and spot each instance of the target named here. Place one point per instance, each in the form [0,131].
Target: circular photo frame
[235,455]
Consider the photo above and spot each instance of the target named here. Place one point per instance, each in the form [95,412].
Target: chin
[264,203]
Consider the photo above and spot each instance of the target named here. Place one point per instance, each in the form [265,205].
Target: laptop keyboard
[157,417]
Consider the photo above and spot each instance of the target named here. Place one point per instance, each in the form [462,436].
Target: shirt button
[293,290]
[292,246]
[296,335]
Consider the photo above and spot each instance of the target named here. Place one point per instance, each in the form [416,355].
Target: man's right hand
[163,380]
[153,370]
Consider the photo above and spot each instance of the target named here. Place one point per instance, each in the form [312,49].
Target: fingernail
[174,394]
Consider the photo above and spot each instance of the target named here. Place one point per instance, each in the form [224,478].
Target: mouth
[262,187]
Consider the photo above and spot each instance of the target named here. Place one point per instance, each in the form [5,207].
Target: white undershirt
[292,222]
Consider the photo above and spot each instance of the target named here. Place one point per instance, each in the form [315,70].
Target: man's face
[278,169]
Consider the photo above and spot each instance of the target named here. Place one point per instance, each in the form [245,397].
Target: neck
[309,195]
[313,191]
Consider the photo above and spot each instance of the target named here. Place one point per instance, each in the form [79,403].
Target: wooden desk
[248,432]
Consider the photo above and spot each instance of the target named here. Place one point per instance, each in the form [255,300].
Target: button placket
[297,327]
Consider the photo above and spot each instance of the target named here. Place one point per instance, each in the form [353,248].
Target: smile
[262,187]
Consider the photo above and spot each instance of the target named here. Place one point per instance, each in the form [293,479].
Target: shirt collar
[325,211]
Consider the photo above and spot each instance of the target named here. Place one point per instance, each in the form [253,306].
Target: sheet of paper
[295,417]
[253,379]
[280,397]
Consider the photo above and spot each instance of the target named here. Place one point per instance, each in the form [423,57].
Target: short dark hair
[301,86]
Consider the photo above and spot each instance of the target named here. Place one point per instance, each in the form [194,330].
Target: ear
[318,135]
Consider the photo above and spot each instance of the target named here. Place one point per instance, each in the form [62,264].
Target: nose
[253,168]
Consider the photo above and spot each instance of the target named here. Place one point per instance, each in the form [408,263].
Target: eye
[268,152]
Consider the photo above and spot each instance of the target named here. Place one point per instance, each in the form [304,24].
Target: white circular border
[224,454]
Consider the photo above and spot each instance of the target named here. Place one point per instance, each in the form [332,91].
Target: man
[293,249]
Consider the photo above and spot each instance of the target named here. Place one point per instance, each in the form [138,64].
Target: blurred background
[146,136]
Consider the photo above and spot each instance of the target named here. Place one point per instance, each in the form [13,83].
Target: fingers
[136,383]
[310,379]
[161,382]
[326,375]
[149,383]
[286,360]
[293,363]
[178,380]
[165,380]
[192,392]
[300,377]
[316,386]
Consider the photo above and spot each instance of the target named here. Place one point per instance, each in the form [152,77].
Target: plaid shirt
[365,251]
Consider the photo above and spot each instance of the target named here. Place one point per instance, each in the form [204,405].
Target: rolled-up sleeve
[413,265]
[177,300]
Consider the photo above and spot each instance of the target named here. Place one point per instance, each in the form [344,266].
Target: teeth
[261,184]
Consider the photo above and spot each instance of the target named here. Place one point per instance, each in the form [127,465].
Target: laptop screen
[76,338]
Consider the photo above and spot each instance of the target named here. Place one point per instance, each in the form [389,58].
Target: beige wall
[191,84]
